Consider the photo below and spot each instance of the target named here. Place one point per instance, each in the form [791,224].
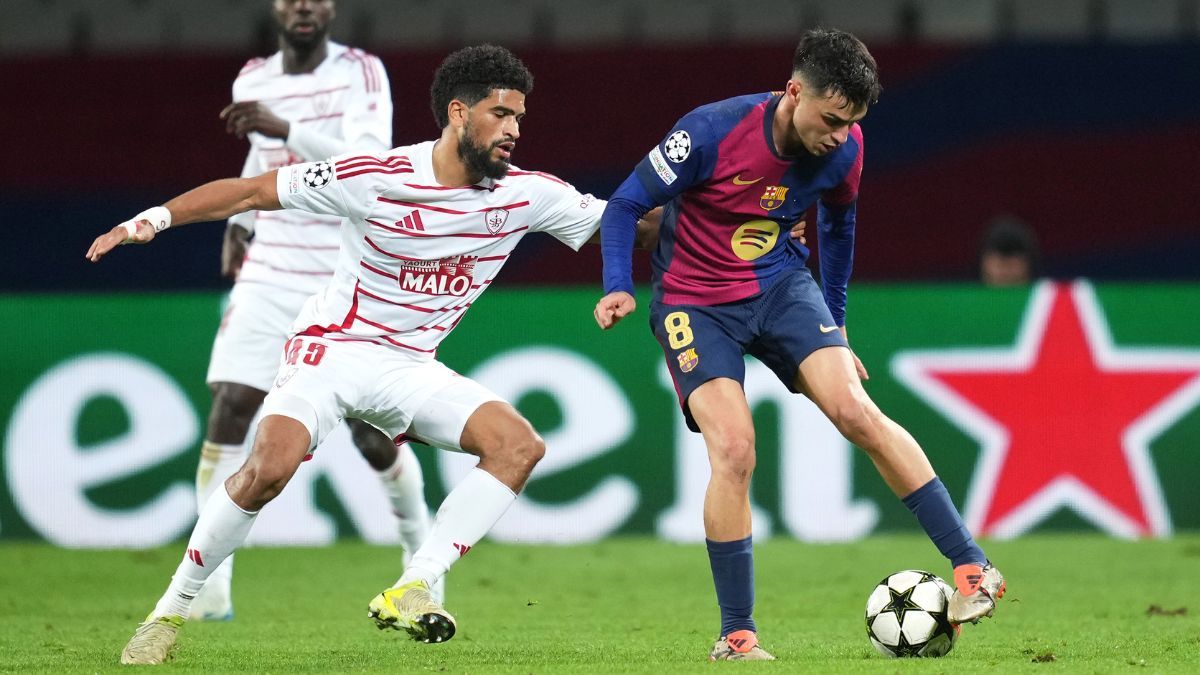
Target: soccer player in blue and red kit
[733,175]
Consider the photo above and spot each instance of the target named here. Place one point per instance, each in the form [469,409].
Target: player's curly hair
[471,73]
[837,63]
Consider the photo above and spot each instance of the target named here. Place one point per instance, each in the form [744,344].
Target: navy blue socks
[931,504]
[732,565]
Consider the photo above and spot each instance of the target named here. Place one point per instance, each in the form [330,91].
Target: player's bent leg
[467,416]
[233,408]
[505,442]
[721,412]
[829,379]
[280,446]
[404,484]
[720,409]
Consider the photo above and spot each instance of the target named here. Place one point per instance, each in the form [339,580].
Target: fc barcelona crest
[773,197]
[688,360]
[495,219]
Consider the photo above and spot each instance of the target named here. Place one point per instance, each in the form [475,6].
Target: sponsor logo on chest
[448,276]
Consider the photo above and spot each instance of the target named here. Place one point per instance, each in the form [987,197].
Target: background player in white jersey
[310,100]
[428,228]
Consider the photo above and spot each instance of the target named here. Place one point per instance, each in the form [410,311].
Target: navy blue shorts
[780,327]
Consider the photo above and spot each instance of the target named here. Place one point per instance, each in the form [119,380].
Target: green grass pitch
[1075,604]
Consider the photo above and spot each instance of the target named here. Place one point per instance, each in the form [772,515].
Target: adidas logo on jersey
[411,222]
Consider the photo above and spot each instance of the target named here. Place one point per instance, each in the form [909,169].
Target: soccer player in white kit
[428,227]
[311,100]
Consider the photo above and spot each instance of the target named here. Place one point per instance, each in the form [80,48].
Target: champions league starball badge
[678,146]
[318,175]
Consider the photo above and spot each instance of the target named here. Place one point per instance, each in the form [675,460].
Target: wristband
[159,218]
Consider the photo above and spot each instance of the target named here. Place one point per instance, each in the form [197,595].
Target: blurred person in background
[310,100]
[732,175]
[1009,254]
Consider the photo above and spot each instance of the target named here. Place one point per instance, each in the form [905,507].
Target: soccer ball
[906,615]
[318,175]
[678,146]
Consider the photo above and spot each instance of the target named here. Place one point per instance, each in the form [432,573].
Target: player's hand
[858,364]
[117,236]
[247,116]
[797,231]
[233,250]
[612,308]
[647,230]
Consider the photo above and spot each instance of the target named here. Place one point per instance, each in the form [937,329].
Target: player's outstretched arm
[212,201]
[612,308]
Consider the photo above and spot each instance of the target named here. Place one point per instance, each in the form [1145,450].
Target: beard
[478,158]
[304,43]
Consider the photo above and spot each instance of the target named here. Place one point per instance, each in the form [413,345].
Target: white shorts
[256,324]
[401,395]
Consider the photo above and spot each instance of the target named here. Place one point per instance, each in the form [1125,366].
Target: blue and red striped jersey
[730,199]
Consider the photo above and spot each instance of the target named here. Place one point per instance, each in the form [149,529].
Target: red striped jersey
[346,103]
[415,255]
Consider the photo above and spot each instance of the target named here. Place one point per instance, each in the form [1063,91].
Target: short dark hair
[837,63]
[1010,236]
[471,73]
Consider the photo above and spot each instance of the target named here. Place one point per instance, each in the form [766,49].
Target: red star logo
[1064,417]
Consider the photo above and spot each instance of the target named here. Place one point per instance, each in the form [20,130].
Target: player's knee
[857,418]
[255,485]
[527,451]
[521,450]
[263,476]
[733,455]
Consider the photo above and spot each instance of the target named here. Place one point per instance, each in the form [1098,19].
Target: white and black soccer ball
[678,146]
[318,175]
[907,615]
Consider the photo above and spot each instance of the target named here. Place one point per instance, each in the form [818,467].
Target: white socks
[404,485]
[218,461]
[469,511]
[222,527]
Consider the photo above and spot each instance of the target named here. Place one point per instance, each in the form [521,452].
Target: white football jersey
[415,255]
[345,104]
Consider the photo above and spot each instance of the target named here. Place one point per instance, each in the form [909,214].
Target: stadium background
[1081,117]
